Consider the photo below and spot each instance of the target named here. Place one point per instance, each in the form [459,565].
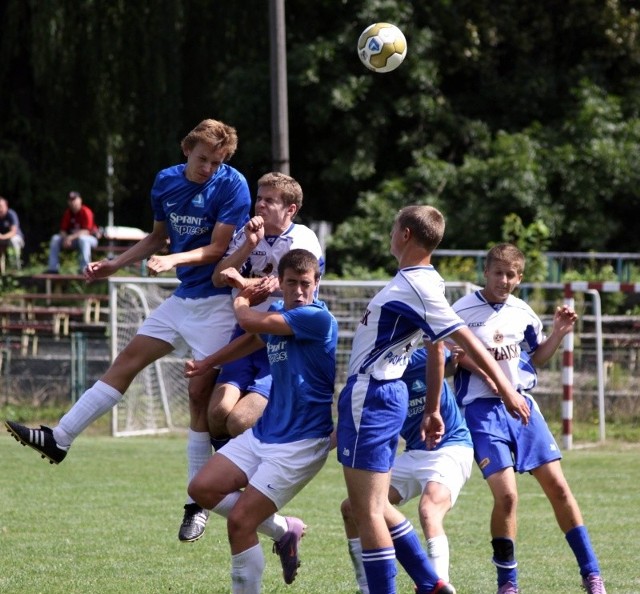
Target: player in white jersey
[372,406]
[197,206]
[243,386]
[436,475]
[260,471]
[513,335]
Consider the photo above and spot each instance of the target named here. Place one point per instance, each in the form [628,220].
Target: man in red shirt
[77,231]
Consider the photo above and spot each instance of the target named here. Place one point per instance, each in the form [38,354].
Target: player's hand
[564,319]
[233,278]
[254,230]
[432,429]
[98,270]
[157,264]
[517,406]
[194,368]
[256,293]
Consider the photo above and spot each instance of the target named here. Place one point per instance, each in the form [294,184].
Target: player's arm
[432,427]
[474,349]
[564,320]
[220,239]
[141,250]
[253,234]
[239,347]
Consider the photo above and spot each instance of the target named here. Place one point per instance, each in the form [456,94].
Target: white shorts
[202,325]
[278,470]
[451,466]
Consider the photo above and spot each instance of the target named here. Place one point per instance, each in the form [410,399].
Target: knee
[201,494]
[238,423]
[236,523]
[199,394]
[346,511]
[507,501]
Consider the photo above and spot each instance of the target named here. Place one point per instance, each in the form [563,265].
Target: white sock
[246,571]
[95,402]
[355,552]
[198,453]
[438,553]
[274,526]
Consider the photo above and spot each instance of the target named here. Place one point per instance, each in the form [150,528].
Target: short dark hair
[425,222]
[299,261]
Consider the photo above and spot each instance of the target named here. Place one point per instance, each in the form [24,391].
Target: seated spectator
[10,232]
[77,231]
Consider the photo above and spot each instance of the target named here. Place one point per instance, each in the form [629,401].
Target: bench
[53,282]
[92,304]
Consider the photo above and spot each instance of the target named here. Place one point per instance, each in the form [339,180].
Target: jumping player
[243,386]
[410,310]
[198,206]
[261,470]
[513,334]
[435,475]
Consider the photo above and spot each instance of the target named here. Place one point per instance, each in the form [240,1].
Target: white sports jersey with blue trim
[266,256]
[410,306]
[511,332]
[191,210]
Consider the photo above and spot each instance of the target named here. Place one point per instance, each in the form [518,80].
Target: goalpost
[157,400]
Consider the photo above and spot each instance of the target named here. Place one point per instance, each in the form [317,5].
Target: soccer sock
[95,402]
[274,526]
[246,571]
[380,568]
[580,543]
[218,442]
[504,559]
[438,553]
[355,552]
[198,453]
[412,557]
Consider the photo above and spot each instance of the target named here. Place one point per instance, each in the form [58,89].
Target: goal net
[157,400]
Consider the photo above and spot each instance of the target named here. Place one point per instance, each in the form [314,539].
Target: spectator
[10,232]
[77,231]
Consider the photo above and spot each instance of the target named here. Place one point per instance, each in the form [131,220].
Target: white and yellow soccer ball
[382,47]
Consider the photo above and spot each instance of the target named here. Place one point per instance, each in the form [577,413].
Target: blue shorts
[249,374]
[370,417]
[500,441]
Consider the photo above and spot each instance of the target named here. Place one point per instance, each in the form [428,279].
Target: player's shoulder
[228,173]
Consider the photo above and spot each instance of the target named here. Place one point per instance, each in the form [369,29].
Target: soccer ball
[382,47]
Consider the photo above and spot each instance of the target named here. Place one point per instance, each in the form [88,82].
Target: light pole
[279,102]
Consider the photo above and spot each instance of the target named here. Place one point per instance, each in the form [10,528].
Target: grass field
[106,521]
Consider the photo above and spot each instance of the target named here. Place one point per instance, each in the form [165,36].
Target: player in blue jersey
[513,335]
[197,206]
[262,469]
[243,386]
[436,475]
[372,406]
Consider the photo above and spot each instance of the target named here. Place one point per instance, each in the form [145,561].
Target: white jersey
[265,257]
[511,332]
[411,306]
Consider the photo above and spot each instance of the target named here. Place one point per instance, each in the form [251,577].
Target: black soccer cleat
[193,523]
[40,440]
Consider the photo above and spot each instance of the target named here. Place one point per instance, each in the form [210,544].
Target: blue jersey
[410,306]
[303,368]
[456,431]
[191,210]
